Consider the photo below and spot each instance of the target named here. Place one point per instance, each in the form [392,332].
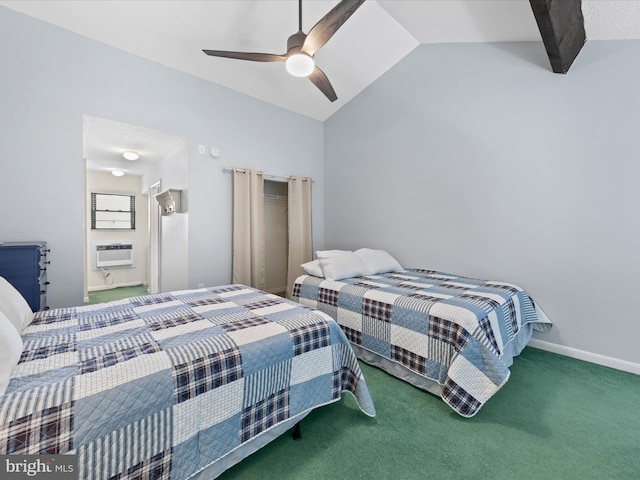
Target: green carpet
[556,418]
[118,293]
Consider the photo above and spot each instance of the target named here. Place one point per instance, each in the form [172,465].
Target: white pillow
[378,261]
[10,350]
[343,265]
[331,253]
[14,306]
[313,268]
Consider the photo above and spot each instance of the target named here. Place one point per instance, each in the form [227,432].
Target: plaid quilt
[162,386]
[447,328]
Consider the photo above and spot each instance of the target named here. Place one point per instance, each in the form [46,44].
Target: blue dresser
[24,265]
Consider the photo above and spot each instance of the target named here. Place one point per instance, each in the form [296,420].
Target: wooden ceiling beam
[561,25]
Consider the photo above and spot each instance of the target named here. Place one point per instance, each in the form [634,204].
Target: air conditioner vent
[114,255]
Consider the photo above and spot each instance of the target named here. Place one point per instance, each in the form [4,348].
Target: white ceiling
[377,36]
[104,141]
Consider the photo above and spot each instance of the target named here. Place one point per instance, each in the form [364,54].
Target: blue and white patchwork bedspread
[163,386]
[446,328]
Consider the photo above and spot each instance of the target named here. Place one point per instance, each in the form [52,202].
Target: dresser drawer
[24,265]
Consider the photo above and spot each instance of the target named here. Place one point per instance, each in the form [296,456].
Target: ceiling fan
[301,47]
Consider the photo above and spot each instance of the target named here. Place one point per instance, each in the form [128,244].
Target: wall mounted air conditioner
[114,255]
[169,201]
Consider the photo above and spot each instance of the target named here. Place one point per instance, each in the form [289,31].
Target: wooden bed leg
[297,433]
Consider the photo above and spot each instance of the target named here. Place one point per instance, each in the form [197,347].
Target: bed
[453,336]
[172,386]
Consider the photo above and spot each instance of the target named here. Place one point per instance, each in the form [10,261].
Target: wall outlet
[201,285]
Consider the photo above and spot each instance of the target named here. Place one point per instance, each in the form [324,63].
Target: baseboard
[603,360]
[111,287]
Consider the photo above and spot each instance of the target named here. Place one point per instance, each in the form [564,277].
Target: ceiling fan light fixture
[300,65]
[117,173]
[131,155]
[301,47]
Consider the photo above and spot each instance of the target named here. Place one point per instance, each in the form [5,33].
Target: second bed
[451,335]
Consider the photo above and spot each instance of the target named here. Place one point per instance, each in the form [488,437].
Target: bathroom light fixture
[131,155]
[117,173]
[300,65]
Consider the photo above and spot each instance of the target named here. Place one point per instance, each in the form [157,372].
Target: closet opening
[276,236]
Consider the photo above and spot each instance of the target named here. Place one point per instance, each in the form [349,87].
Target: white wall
[172,173]
[477,160]
[104,182]
[44,92]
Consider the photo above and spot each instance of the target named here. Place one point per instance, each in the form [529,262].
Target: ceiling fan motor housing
[295,42]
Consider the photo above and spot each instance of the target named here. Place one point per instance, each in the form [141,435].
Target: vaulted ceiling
[373,39]
[378,35]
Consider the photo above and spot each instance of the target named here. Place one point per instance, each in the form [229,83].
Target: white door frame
[155,241]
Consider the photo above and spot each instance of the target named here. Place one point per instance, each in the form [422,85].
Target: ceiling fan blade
[321,81]
[256,57]
[328,25]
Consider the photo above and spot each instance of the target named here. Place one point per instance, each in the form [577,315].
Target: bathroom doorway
[104,143]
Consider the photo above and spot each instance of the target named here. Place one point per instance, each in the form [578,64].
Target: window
[113,212]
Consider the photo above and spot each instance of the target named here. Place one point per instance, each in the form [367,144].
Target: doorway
[104,143]
[276,236]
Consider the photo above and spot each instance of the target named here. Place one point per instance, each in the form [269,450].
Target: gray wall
[477,160]
[51,77]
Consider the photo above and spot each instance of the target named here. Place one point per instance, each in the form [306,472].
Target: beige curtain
[300,243]
[248,228]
